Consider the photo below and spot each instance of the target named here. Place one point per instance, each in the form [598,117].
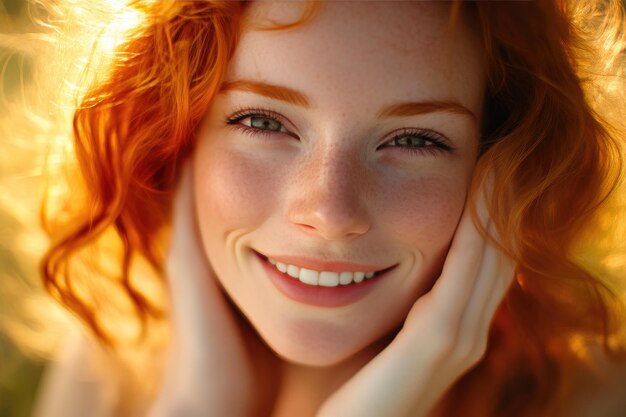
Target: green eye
[419,141]
[259,122]
[265,123]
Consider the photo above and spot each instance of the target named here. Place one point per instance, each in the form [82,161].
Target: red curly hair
[554,158]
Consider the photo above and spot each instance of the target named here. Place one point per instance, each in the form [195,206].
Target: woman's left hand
[444,334]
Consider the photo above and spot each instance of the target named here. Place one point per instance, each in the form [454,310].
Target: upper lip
[326,265]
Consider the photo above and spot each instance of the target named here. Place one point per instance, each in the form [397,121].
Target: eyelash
[438,143]
[245,113]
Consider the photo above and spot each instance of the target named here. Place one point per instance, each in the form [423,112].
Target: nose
[328,196]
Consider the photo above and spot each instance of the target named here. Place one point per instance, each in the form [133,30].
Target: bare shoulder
[601,389]
[83,381]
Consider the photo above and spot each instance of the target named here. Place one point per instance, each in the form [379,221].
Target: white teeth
[329,279]
[309,276]
[321,278]
[345,278]
[293,271]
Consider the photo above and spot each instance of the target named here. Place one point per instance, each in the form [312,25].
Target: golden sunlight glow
[94,33]
[126,19]
[35,126]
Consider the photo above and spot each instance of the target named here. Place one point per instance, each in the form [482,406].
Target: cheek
[233,190]
[422,213]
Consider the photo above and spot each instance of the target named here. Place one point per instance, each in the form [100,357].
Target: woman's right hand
[210,369]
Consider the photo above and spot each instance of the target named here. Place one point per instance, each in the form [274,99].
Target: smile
[322,283]
[321,278]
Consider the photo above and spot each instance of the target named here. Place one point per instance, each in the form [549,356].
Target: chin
[301,346]
[300,355]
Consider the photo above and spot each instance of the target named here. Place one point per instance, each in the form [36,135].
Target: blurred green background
[19,373]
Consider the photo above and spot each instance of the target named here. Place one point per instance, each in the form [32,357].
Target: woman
[376,212]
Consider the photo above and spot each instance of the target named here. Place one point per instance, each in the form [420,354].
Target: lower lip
[319,296]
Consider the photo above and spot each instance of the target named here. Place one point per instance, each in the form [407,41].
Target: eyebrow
[291,96]
[268,90]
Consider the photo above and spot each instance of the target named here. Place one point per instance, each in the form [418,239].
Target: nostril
[329,231]
[306,226]
[330,214]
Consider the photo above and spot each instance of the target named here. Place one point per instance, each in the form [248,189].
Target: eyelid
[246,112]
[433,136]
[440,141]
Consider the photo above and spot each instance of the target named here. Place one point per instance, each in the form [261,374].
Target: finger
[183,289]
[462,266]
[483,199]
[183,216]
[493,281]
[504,277]
[503,269]
[472,332]
[197,307]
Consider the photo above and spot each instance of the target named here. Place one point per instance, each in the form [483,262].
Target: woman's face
[344,145]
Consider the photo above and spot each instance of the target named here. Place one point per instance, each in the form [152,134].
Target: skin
[345,362]
[444,334]
[250,190]
[329,185]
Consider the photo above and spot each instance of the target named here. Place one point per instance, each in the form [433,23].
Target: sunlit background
[33,116]
[19,373]
[20,370]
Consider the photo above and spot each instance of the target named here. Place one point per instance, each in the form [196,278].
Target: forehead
[378,51]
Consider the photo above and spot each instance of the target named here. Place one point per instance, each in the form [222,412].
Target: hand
[210,371]
[444,334]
